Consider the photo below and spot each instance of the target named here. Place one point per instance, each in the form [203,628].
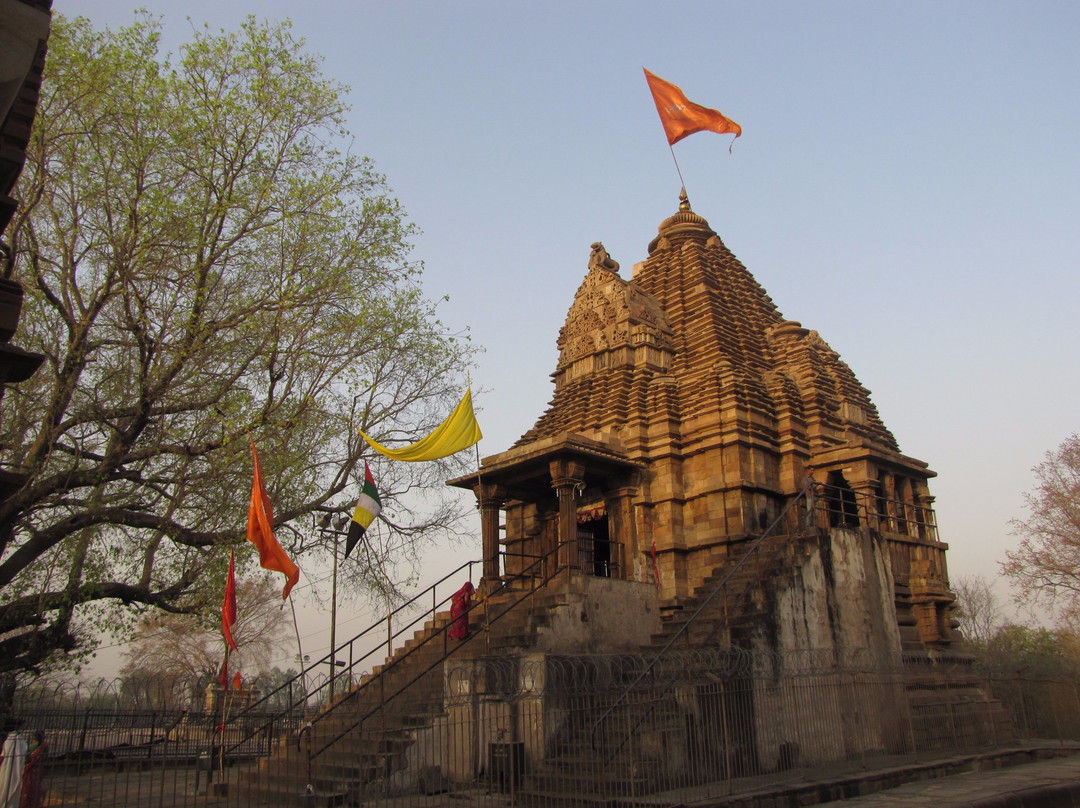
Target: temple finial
[684,200]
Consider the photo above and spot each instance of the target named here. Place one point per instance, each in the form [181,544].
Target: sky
[907,184]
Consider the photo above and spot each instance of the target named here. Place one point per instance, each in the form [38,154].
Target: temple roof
[524,471]
[693,342]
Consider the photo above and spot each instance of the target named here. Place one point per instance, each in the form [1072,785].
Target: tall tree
[979,611]
[204,259]
[1046,565]
[189,650]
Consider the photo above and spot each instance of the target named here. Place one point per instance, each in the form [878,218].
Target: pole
[684,200]
[299,652]
[333,622]
[224,718]
[389,623]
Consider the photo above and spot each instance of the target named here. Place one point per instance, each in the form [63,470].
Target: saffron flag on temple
[459,431]
[228,608]
[260,532]
[367,508]
[682,117]
[238,681]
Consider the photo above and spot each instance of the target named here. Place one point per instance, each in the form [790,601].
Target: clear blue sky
[907,184]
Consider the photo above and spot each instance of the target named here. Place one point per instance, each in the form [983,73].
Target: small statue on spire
[600,258]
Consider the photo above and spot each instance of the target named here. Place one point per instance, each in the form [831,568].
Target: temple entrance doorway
[594,546]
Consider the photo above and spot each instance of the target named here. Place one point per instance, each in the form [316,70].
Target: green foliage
[1031,652]
[204,259]
[281,688]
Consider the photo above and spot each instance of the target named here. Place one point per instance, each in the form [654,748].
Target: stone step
[295,797]
[538,798]
[592,780]
[291,788]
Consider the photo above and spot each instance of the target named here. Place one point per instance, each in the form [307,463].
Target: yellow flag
[459,431]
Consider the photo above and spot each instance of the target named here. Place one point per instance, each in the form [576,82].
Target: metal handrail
[438,633]
[886,514]
[377,624]
[348,644]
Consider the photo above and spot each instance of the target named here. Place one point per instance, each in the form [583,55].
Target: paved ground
[1030,776]
[1046,784]
[1035,776]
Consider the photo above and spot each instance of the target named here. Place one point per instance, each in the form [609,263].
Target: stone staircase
[735,595]
[364,739]
[623,744]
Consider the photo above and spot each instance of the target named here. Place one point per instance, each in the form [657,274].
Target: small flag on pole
[682,117]
[459,431]
[228,608]
[260,532]
[367,508]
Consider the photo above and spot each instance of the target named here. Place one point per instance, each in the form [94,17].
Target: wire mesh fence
[543,730]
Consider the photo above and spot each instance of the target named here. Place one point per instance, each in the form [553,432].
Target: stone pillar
[622,531]
[866,498]
[567,478]
[491,499]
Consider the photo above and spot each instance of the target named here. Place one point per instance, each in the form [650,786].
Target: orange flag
[228,608]
[682,117]
[260,532]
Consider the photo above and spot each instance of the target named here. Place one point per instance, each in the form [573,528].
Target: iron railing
[517,730]
[841,506]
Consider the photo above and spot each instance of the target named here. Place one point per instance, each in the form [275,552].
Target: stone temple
[707,562]
[688,413]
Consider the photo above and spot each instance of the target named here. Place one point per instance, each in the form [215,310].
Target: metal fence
[540,730]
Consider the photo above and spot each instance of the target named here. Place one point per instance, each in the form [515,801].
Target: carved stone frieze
[606,311]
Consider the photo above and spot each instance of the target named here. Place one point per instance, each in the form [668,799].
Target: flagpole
[390,621]
[478,493]
[299,652]
[677,169]
[224,713]
[333,621]
[383,582]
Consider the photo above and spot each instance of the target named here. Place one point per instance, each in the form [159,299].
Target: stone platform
[1030,776]
[1050,783]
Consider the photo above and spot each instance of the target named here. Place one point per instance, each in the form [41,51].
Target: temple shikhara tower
[689,419]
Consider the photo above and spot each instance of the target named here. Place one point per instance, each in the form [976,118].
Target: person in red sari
[33,773]
[459,612]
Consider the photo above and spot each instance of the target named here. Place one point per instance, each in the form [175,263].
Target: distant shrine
[689,418]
